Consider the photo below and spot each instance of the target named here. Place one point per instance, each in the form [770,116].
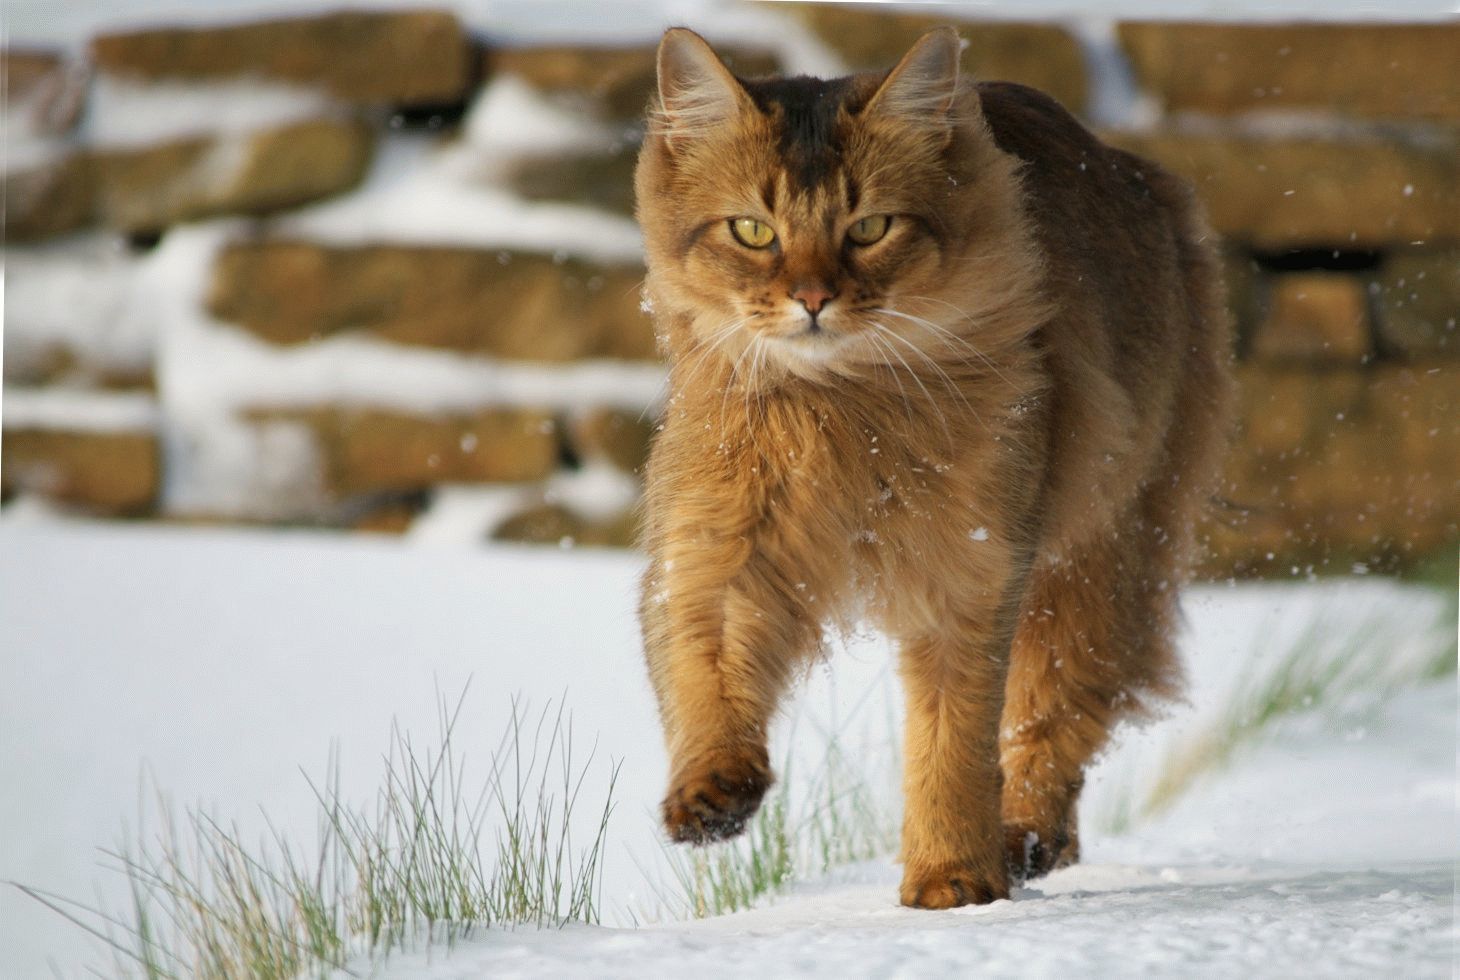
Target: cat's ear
[921,89]
[696,90]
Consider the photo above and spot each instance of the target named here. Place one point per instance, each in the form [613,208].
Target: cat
[941,360]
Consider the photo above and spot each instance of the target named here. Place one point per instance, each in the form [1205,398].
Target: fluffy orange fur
[987,432]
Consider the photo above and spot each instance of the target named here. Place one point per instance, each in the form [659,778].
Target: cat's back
[1137,345]
[1082,192]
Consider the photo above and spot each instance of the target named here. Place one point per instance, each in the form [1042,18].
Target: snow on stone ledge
[419,192]
[78,411]
[71,295]
[124,113]
[510,118]
[369,373]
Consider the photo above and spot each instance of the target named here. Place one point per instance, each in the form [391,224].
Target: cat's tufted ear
[696,90]
[921,89]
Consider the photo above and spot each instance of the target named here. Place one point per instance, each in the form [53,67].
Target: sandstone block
[614,82]
[1315,316]
[541,524]
[44,92]
[147,189]
[553,524]
[391,517]
[371,451]
[1418,295]
[141,190]
[408,57]
[871,37]
[1304,193]
[505,304]
[108,472]
[603,181]
[1340,466]
[51,199]
[622,438]
[1370,70]
[28,69]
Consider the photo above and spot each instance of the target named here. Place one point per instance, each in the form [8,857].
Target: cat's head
[812,220]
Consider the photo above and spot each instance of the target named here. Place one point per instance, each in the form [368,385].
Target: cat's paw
[950,886]
[713,798]
[1032,854]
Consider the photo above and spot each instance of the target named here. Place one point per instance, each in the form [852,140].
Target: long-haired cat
[942,360]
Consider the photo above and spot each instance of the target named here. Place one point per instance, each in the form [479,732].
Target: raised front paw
[712,798]
[950,886]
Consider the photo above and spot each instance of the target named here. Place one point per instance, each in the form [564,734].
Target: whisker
[734,378]
[881,348]
[932,402]
[711,344]
[961,341]
[930,325]
[944,375]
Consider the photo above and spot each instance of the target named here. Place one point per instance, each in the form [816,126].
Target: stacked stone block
[1328,156]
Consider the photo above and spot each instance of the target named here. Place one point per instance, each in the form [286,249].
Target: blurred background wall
[375,270]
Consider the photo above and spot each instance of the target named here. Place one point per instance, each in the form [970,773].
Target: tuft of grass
[205,902]
[835,821]
[1324,672]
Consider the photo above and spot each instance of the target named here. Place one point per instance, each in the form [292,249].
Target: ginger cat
[940,359]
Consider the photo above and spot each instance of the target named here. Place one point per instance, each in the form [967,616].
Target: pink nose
[813,297]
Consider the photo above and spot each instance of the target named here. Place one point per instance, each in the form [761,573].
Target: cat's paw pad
[714,798]
[1031,854]
[951,886]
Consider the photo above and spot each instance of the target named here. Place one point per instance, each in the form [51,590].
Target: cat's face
[805,222]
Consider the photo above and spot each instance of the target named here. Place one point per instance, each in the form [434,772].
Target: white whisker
[917,379]
[880,346]
[950,335]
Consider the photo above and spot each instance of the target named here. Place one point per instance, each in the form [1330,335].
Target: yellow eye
[869,230]
[751,233]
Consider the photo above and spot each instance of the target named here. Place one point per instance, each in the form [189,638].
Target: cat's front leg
[952,841]
[721,640]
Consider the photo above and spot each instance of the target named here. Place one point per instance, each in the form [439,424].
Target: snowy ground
[215,663]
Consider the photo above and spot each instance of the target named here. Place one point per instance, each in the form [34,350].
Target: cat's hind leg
[1092,646]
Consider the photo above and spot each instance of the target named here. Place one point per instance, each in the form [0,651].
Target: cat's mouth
[811,343]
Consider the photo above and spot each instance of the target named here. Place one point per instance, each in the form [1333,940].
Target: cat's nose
[813,297]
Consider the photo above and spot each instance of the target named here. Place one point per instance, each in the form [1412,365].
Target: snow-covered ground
[215,663]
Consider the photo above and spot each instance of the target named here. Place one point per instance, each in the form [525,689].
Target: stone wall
[1329,157]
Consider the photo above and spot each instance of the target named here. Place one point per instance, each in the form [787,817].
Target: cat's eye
[752,233]
[869,230]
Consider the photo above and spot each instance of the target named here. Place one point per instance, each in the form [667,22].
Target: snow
[216,661]
[596,490]
[1087,922]
[422,192]
[70,296]
[122,113]
[510,117]
[78,411]
[465,513]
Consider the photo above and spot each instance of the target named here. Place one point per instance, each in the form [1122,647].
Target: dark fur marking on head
[807,110]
